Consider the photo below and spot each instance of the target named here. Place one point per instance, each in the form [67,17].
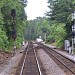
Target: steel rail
[37,63]
[60,61]
[60,54]
[38,66]
[23,63]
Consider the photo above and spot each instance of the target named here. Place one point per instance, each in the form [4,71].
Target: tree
[6,20]
[60,10]
[37,27]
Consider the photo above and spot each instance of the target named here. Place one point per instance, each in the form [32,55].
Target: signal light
[13,23]
[14,34]
[13,12]
[73,34]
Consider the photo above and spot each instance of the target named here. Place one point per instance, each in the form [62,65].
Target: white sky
[36,8]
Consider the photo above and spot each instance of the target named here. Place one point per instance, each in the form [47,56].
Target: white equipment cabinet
[67,44]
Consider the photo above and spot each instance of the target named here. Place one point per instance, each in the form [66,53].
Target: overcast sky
[36,8]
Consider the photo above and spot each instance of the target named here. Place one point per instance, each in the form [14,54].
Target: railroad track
[70,65]
[30,64]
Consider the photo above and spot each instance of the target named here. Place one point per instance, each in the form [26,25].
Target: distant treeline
[56,27]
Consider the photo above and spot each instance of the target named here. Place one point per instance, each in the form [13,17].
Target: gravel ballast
[50,67]
[10,68]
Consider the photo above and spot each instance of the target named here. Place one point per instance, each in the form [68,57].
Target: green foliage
[60,13]
[36,28]
[6,41]
[59,34]
[55,32]
[3,40]
[60,10]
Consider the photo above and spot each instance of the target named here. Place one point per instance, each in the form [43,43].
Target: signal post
[13,14]
[73,31]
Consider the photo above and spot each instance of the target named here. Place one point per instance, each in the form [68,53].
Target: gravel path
[10,68]
[50,67]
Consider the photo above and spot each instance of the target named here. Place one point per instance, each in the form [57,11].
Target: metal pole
[14,48]
[13,14]
[73,31]
[72,46]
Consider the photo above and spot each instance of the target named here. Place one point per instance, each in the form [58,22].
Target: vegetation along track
[30,64]
[69,65]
